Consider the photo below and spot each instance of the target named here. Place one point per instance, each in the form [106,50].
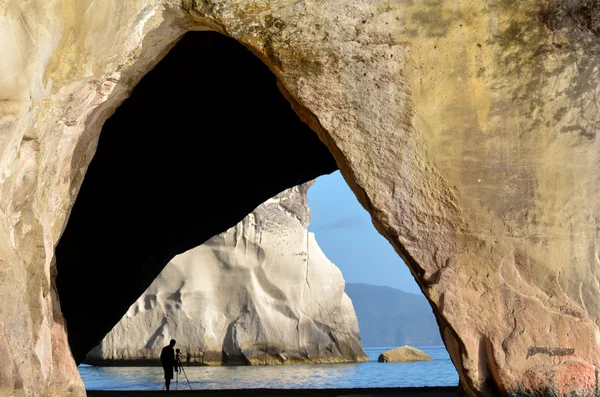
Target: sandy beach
[387,392]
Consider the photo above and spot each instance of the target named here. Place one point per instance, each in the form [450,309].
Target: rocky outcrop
[467,129]
[260,293]
[403,354]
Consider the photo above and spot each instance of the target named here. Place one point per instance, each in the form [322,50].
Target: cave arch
[86,331]
[196,147]
[445,118]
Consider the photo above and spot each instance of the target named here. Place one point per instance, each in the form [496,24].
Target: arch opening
[204,138]
[285,302]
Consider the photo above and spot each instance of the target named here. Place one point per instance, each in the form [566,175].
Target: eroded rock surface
[403,354]
[260,293]
[468,129]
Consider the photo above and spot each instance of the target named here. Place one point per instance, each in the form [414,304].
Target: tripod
[180,369]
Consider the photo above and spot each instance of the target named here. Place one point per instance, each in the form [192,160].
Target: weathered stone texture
[260,293]
[468,129]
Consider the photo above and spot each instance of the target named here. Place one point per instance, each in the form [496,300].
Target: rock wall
[468,129]
[260,293]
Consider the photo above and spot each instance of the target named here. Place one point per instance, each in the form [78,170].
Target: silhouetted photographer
[170,361]
[167,359]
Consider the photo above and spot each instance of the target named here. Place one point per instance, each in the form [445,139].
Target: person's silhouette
[167,359]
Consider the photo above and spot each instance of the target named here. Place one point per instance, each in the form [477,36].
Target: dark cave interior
[204,138]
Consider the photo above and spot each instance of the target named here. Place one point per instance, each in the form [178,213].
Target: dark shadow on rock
[232,352]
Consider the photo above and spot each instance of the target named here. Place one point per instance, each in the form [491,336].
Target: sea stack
[260,293]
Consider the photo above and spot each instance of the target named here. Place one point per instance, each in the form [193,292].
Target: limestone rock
[468,129]
[260,293]
[403,354]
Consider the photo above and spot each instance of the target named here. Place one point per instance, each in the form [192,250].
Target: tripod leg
[186,378]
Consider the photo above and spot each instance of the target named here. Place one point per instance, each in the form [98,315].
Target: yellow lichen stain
[461,55]
[476,85]
[449,64]
[88,28]
[61,62]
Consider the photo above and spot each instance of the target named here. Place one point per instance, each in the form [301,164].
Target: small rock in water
[403,354]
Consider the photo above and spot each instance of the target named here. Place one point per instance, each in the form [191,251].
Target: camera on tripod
[177,360]
[179,369]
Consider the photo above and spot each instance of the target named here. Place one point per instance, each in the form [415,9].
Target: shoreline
[271,361]
[438,391]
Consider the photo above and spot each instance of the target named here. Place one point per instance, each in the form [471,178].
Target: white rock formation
[262,292]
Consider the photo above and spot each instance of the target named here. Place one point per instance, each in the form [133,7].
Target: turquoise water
[439,372]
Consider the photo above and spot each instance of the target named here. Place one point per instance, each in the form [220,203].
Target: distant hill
[390,317]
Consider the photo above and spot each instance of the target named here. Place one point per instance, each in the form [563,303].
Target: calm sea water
[439,372]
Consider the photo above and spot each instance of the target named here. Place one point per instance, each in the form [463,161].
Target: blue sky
[346,235]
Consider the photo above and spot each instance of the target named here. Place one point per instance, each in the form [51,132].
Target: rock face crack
[550,351]
[307,260]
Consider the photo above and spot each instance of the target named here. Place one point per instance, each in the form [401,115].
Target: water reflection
[438,372]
